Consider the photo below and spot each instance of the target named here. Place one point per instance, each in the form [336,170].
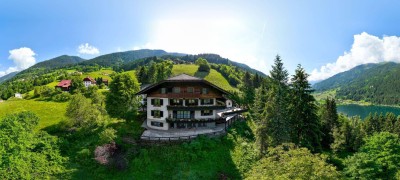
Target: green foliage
[122,101]
[57,62]
[26,153]
[107,135]
[378,158]
[62,97]
[305,124]
[329,120]
[82,114]
[276,120]
[288,162]
[348,135]
[203,65]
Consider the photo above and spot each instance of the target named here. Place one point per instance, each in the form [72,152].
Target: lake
[363,111]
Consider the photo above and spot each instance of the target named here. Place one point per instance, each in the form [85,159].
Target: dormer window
[190,89]
[177,90]
[163,90]
[204,91]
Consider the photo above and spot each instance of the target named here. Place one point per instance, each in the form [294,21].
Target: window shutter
[161,114]
[152,113]
[212,101]
[202,101]
[161,102]
[152,101]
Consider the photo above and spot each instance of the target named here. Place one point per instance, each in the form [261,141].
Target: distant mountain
[59,61]
[127,56]
[376,83]
[8,76]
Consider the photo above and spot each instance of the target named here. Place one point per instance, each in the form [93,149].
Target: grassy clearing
[213,77]
[321,96]
[50,113]
[104,73]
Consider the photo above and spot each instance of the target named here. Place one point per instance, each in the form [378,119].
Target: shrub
[62,97]
[107,136]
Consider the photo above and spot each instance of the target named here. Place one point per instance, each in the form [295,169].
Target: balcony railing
[212,107]
[172,120]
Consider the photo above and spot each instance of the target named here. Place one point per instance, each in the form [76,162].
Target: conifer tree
[305,125]
[276,117]
[329,121]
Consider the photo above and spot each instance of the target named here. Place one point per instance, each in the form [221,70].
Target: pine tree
[248,89]
[276,111]
[329,121]
[305,125]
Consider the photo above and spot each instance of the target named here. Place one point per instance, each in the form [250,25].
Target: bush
[107,136]
[62,97]
[103,154]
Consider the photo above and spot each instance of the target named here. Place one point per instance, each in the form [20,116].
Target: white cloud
[23,58]
[365,49]
[86,48]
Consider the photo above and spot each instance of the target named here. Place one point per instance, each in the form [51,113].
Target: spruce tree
[305,125]
[276,111]
[329,121]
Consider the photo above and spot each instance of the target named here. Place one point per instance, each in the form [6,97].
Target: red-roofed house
[88,81]
[64,85]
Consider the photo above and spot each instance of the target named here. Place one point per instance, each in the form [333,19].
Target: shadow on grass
[201,74]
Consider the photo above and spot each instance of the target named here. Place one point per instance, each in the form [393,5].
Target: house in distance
[186,102]
[64,85]
[88,81]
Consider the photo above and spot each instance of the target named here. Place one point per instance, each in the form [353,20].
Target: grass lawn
[104,73]
[213,76]
[50,113]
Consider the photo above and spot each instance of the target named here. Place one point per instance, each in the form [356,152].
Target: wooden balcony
[173,120]
[203,107]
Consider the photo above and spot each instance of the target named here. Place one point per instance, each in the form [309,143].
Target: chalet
[64,85]
[88,81]
[185,102]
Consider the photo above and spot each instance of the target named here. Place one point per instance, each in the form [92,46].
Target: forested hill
[376,83]
[217,59]
[127,56]
[59,61]
[8,76]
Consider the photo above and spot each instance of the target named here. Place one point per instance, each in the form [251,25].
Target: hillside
[124,57]
[376,83]
[8,76]
[213,77]
[57,62]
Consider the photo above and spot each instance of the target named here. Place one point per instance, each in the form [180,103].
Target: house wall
[161,108]
[87,83]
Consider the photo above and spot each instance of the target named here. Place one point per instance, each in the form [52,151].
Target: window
[177,90]
[157,102]
[158,124]
[157,113]
[190,89]
[183,114]
[206,112]
[207,101]
[163,90]
[176,102]
[204,91]
[191,102]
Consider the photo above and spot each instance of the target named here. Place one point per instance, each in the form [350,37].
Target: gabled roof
[89,79]
[181,78]
[64,83]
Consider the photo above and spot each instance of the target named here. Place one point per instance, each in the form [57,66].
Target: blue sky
[325,37]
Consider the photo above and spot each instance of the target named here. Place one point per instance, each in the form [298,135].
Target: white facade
[162,108]
[154,121]
[87,83]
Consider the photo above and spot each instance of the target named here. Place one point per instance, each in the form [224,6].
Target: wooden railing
[191,137]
